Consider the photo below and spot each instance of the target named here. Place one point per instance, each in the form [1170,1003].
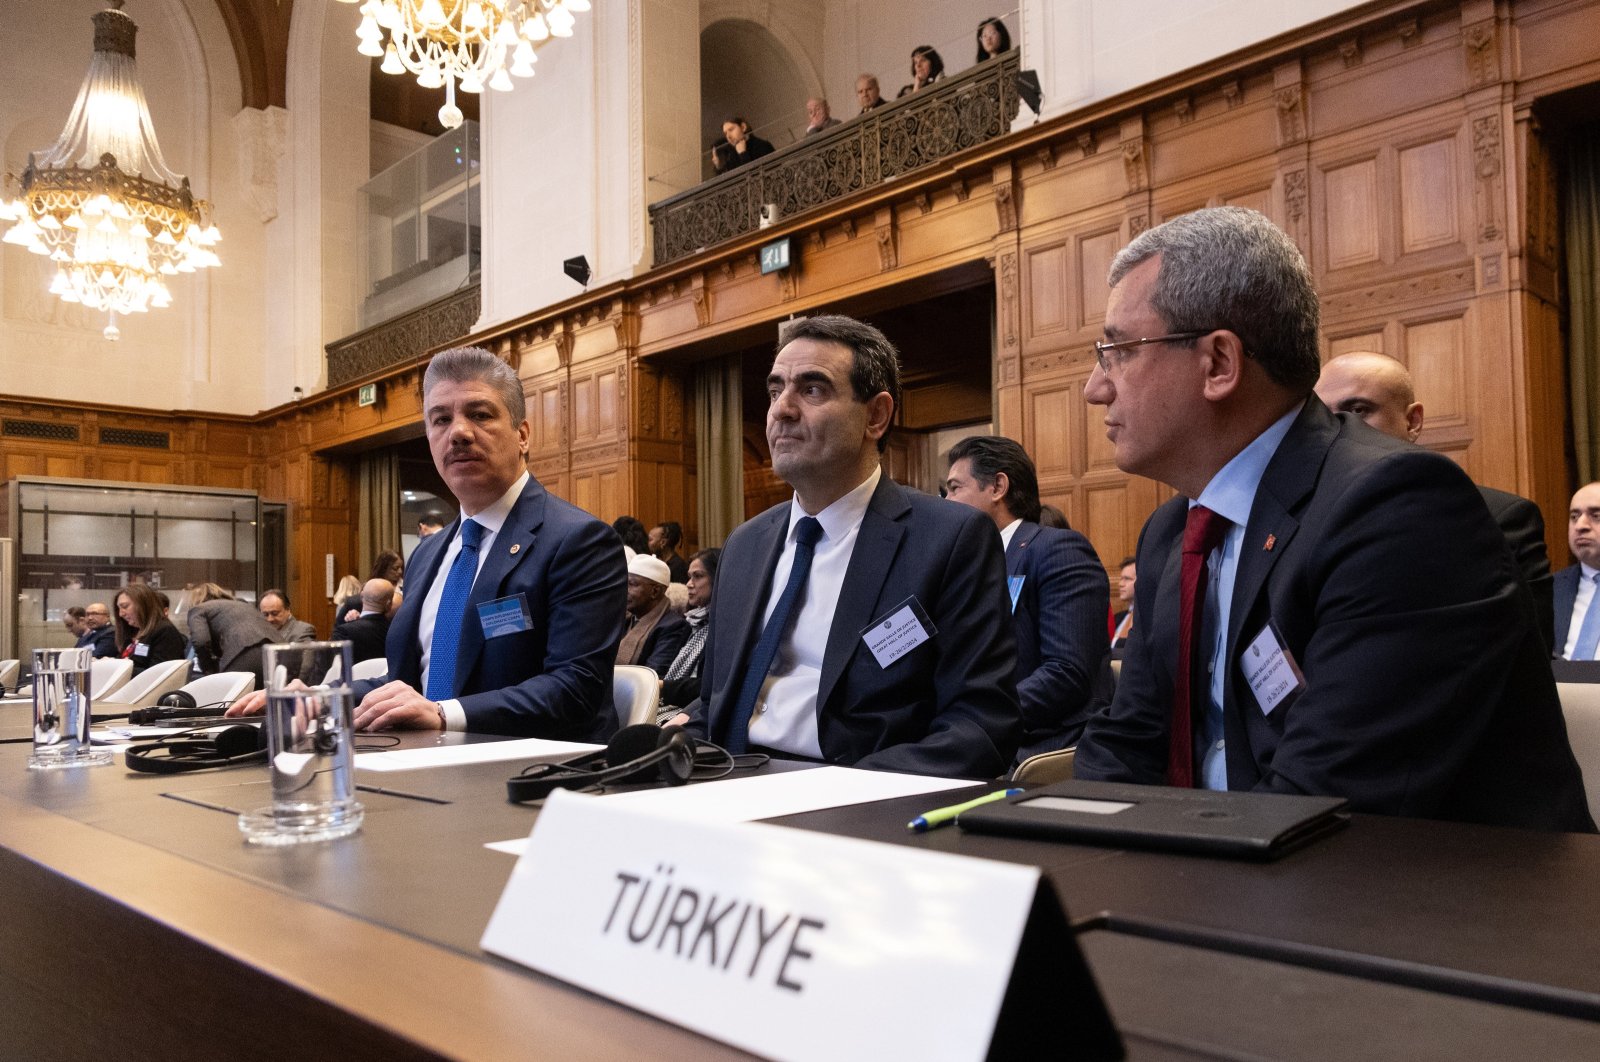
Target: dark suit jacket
[367,635]
[554,680]
[165,643]
[1565,592]
[103,640]
[949,707]
[1060,623]
[661,645]
[1523,526]
[1428,692]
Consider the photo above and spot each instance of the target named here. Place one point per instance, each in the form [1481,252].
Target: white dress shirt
[1580,609]
[1009,532]
[785,716]
[492,520]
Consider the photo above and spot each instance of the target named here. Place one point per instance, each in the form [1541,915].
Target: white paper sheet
[770,795]
[531,749]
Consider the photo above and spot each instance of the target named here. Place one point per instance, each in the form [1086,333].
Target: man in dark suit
[1378,390]
[868,622]
[1058,590]
[99,634]
[1575,586]
[368,632]
[512,614]
[1304,625]
[654,632]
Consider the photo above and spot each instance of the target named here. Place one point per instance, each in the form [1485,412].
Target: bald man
[1377,389]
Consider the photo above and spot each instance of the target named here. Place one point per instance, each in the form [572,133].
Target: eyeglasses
[1107,363]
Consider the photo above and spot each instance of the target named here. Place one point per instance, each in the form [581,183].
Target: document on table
[531,749]
[768,796]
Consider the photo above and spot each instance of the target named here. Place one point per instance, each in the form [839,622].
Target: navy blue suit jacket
[1565,590]
[1428,689]
[949,707]
[554,680]
[1060,622]
[1523,526]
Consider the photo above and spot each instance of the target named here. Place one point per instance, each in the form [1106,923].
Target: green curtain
[1583,296]
[377,508]
[719,448]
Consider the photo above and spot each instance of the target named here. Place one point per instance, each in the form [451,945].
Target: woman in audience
[926,68]
[993,39]
[144,634]
[742,146]
[227,635]
[682,681]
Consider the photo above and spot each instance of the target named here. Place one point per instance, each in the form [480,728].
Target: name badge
[1014,585]
[140,649]
[1271,671]
[899,632]
[506,615]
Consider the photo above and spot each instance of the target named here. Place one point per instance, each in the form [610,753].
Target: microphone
[146,716]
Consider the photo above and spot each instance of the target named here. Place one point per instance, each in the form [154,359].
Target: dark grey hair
[477,365]
[1232,268]
[874,361]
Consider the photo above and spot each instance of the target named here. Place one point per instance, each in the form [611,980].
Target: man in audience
[1377,389]
[818,119]
[867,94]
[72,620]
[1058,591]
[1577,626]
[654,633]
[274,606]
[868,623]
[368,631]
[511,621]
[1324,609]
[664,539]
[430,524]
[99,633]
[1122,622]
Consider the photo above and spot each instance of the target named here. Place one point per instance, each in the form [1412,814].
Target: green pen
[929,820]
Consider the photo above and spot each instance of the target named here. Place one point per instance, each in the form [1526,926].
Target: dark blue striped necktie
[806,533]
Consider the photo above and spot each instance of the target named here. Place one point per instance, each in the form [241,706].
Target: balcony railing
[897,138]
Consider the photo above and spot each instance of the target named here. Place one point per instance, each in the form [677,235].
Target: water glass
[61,698]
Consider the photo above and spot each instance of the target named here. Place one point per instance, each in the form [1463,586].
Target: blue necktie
[806,533]
[1589,633]
[447,621]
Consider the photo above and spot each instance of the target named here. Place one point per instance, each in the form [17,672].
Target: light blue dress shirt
[1231,493]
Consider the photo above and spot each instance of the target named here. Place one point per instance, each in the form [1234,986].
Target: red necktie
[1203,532]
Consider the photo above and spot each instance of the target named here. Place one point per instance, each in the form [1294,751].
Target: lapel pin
[515,546]
[1272,540]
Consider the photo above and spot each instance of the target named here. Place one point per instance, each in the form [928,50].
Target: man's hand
[250,704]
[681,719]
[396,706]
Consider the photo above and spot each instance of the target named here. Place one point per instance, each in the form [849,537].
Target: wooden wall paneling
[1350,228]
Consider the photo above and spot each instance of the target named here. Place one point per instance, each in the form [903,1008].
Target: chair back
[107,675]
[636,691]
[9,669]
[1046,767]
[374,668]
[1580,703]
[150,685]
[221,689]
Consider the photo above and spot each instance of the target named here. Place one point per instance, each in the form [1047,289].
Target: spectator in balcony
[926,68]
[993,39]
[739,147]
[818,118]
[867,93]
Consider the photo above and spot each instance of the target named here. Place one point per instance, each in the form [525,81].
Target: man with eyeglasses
[98,633]
[1324,609]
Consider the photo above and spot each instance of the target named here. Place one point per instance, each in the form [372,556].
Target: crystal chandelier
[101,203]
[444,42]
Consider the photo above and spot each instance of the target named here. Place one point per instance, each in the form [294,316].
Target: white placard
[788,943]
[533,750]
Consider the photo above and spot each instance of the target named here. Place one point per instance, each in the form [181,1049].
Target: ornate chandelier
[101,203]
[444,42]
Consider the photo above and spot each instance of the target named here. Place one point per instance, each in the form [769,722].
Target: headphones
[643,752]
[185,751]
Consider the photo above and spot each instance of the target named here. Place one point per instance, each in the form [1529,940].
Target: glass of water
[309,707]
[61,697]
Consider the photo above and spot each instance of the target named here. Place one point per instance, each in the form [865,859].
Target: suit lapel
[741,602]
[1017,551]
[407,622]
[876,545]
[511,546]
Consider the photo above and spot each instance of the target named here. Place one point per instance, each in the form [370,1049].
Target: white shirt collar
[1588,572]
[494,517]
[843,514]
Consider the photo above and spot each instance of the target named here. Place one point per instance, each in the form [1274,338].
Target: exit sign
[368,395]
[775,256]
